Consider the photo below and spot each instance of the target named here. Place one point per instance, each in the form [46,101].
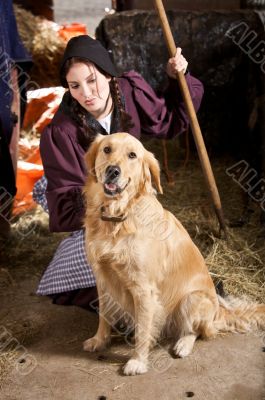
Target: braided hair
[87,134]
[126,122]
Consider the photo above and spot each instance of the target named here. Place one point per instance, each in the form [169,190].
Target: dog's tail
[237,315]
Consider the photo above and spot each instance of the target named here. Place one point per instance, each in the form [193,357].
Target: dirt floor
[41,354]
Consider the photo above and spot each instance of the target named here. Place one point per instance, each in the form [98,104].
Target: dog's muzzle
[111,186]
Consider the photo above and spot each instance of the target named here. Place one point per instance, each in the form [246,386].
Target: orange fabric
[45,119]
[35,157]
[27,175]
[35,109]
[66,32]
[40,110]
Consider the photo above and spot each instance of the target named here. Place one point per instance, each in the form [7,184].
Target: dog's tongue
[111,186]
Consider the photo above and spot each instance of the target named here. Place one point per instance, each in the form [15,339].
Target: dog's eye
[107,149]
[132,155]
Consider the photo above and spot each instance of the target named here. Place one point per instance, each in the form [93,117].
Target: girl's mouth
[89,102]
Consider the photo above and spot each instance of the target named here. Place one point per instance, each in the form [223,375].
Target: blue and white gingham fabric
[68,269]
[38,193]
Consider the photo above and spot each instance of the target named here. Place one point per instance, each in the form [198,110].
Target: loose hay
[14,356]
[239,267]
[7,363]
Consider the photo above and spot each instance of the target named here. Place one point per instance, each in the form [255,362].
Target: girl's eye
[107,149]
[73,86]
[132,155]
[91,79]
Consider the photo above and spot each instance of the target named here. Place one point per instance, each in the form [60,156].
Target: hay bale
[41,39]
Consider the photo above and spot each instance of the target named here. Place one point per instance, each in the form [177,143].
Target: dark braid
[87,134]
[126,122]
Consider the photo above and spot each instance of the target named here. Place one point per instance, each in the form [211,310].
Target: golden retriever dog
[145,261]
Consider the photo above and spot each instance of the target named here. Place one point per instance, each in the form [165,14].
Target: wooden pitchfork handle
[202,152]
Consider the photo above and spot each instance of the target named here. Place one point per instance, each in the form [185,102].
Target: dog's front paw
[94,344]
[135,367]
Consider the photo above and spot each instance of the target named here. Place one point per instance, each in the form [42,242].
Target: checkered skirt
[68,269]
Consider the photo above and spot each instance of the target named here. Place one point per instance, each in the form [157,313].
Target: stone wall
[230,68]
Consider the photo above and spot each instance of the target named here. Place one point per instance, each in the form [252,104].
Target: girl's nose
[86,91]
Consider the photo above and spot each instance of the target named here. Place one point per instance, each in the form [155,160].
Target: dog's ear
[151,163]
[91,154]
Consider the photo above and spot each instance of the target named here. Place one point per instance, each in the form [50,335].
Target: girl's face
[90,88]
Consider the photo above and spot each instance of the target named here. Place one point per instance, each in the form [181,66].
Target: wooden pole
[195,127]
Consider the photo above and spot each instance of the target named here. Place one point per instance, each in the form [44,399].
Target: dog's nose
[112,173]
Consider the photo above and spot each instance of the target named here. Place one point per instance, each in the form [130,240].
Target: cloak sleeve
[162,115]
[65,170]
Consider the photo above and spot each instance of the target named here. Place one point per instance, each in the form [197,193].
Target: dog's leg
[194,317]
[147,310]
[102,337]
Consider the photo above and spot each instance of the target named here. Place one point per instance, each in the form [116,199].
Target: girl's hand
[176,64]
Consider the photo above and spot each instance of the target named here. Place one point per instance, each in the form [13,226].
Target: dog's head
[121,164]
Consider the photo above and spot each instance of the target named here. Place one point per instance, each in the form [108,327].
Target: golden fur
[145,262]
